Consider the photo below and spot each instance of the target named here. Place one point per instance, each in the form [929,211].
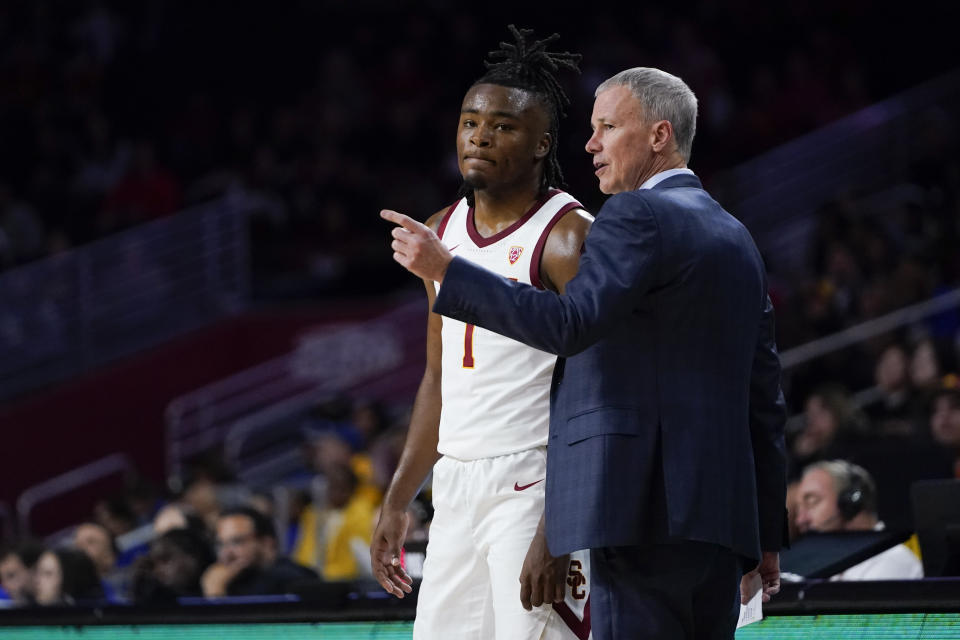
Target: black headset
[852,500]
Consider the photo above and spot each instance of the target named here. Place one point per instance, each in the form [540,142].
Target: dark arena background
[199,309]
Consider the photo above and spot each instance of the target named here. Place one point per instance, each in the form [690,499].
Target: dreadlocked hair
[530,67]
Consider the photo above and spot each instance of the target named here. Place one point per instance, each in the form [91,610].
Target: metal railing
[245,406]
[7,526]
[114,464]
[861,332]
[870,329]
[71,312]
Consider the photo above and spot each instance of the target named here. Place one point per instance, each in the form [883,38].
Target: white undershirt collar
[657,178]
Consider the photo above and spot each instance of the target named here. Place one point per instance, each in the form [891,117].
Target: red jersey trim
[446,219]
[580,628]
[538,249]
[481,242]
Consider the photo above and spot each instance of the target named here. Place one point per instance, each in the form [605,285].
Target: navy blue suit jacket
[666,410]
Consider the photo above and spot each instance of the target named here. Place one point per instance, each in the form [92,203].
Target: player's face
[621,141]
[502,138]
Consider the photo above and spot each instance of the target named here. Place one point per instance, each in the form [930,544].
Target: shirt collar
[656,179]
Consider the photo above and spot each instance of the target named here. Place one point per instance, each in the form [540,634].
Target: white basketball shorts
[486,514]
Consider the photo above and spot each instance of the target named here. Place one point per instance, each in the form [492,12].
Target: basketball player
[482,410]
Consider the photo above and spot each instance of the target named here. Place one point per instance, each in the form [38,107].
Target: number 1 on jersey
[468,343]
[468,347]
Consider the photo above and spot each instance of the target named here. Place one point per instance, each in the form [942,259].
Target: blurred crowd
[889,402]
[113,114]
[219,537]
[882,248]
[312,527]
[313,116]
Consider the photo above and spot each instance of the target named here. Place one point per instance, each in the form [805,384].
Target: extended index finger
[406,222]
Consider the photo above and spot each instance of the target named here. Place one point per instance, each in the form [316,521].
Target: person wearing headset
[836,495]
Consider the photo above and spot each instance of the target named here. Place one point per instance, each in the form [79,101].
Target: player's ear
[543,146]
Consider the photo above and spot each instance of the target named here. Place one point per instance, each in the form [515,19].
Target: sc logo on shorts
[576,580]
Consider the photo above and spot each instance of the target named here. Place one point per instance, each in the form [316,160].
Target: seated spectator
[201,498]
[177,516]
[894,411]
[330,450]
[831,425]
[927,364]
[336,537]
[837,495]
[248,562]
[369,420]
[65,577]
[17,567]
[143,497]
[336,437]
[115,515]
[173,568]
[945,417]
[101,547]
[263,503]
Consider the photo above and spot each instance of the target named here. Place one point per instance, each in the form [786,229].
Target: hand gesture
[217,578]
[385,548]
[417,247]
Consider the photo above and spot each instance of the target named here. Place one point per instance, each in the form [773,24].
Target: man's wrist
[395,504]
[446,265]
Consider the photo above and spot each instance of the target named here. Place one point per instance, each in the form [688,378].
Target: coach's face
[622,143]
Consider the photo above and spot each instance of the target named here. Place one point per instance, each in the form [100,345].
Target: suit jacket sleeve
[617,268]
[767,420]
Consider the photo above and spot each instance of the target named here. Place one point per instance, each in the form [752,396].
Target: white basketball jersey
[496,391]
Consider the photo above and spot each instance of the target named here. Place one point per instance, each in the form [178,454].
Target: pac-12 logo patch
[515,253]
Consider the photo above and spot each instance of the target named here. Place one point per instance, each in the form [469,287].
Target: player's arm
[542,575]
[620,264]
[417,459]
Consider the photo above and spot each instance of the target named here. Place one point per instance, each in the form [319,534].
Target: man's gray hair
[846,477]
[663,97]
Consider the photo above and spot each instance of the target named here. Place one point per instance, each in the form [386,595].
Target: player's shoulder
[435,220]
[578,216]
[567,236]
[575,221]
[574,213]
